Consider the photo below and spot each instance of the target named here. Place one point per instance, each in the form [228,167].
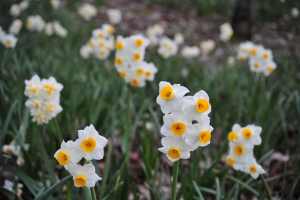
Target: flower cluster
[129,60]
[44,97]
[207,46]
[89,145]
[241,142]
[260,59]
[15,27]
[181,112]
[10,186]
[35,23]
[100,44]
[190,52]
[167,47]
[114,16]
[87,11]
[16,9]
[15,149]
[226,32]
[8,40]
[154,33]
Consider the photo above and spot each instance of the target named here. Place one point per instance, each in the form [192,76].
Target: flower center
[232,136]
[123,74]
[204,137]
[139,71]
[138,42]
[8,150]
[247,133]
[80,180]
[230,161]
[135,82]
[253,52]
[202,105]
[148,74]
[8,41]
[136,57]
[239,150]
[50,108]
[100,35]
[63,157]
[50,88]
[101,44]
[256,65]
[119,45]
[167,92]
[118,61]
[270,69]
[33,88]
[178,128]
[91,44]
[111,30]
[253,169]
[102,53]
[88,145]
[265,55]
[174,153]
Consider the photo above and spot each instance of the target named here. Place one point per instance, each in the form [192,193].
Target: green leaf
[52,189]
[255,192]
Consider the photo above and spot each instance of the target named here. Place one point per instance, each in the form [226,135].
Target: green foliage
[95,94]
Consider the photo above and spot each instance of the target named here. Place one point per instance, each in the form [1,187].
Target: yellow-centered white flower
[69,153]
[253,168]
[91,143]
[84,176]
[199,134]
[239,152]
[175,124]
[169,97]
[175,148]
[197,105]
[250,136]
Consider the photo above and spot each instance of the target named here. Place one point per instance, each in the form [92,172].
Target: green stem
[56,129]
[266,187]
[175,176]
[93,193]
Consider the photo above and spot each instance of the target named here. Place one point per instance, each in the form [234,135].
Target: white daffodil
[175,148]
[190,52]
[49,29]
[33,87]
[35,23]
[199,134]
[197,105]
[150,71]
[84,176]
[114,16]
[175,124]
[51,88]
[55,3]
[139,41]
[167,47]
[253,168]
[10,186]
[9,40]
[269,67]
[85,51]
[15,10]
[91,143]
[236,133]
[24,4]
[15,26]
[233,163]
[250,136]
[179,38]
[40,117]
[59,30]
[87,11]
[52,107]
[207,46]
[149,126]
[34,104]
[295,12]
[11,148]
[99,33]
[69,153]
[169,97]
[226,32]
[137,81]
[108,28]
[239,152]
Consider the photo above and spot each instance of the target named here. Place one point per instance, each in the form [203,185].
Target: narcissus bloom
[10,186]
[84,176]
[199,134]
[175,124]
[69,153]
[87,11]
[197,105]
[9,40]
[190,52]
[114,16]
[15,26]
[239,152]
[91,143]
[207,46]
[175,148]
[226,32]
[253,168]
[179,38]
[169,97]
[250,136]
